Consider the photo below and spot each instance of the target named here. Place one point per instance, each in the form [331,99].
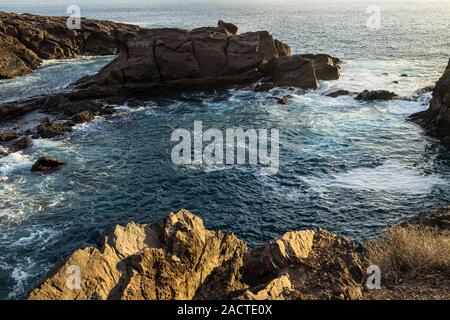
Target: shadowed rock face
[208,57]
[26,40]
[436,120]
[177,258]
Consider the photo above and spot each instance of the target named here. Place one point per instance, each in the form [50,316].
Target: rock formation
[367,95]
[177,258]
[45,164]
[436,120]
[26,40]
[208,57]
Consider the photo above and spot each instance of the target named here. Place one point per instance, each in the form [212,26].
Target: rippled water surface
[348,166]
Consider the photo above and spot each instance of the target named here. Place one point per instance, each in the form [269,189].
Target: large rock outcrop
[27,39]
[208,57]
[436,120]
[177,258]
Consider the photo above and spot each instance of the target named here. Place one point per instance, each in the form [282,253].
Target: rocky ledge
[26,40]
[436,120]
[177,258]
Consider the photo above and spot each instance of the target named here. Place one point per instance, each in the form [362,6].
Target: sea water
[352,167]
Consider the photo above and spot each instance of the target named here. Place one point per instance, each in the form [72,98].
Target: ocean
[352,167]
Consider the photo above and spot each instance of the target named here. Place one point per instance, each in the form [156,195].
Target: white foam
[391,177]
[12,162]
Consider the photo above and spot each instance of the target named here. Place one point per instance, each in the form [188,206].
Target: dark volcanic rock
[339,93]
[229,27]
[26,39]
[326,67]
[51,129]
[187,59]
[45,164]
[436,120]
[367,95]
[293,71]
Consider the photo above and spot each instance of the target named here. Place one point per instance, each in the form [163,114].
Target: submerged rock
[178,258]
[436,119]
[367,95]
[45,164]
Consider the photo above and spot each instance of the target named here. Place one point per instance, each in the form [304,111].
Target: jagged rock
[293,71]
[45,164]
[26,39]
[339,93]
[51,129]
[326,67]
[436,119]
[177,258]
[283,49]
[8,136]
[229,27]
[367,95]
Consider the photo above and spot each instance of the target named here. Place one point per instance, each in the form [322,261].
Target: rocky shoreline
[178,258]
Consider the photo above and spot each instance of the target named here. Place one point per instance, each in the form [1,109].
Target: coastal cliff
[178,258]
[26,40]
[436,120]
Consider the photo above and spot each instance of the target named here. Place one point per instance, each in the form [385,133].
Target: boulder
[367,95]
[46,164]
[51,129]
[293,71]
[229,27]
[339,93]
[326,67]
[83,117]
[178,258]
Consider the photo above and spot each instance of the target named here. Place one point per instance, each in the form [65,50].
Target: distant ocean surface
[352,167]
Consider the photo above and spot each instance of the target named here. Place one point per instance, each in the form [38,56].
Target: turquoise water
[348,166]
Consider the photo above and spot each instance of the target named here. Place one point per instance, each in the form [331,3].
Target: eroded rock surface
[178,258]
[27,39]
[436,120]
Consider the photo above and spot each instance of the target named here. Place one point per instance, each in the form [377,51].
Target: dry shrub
[411,251]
